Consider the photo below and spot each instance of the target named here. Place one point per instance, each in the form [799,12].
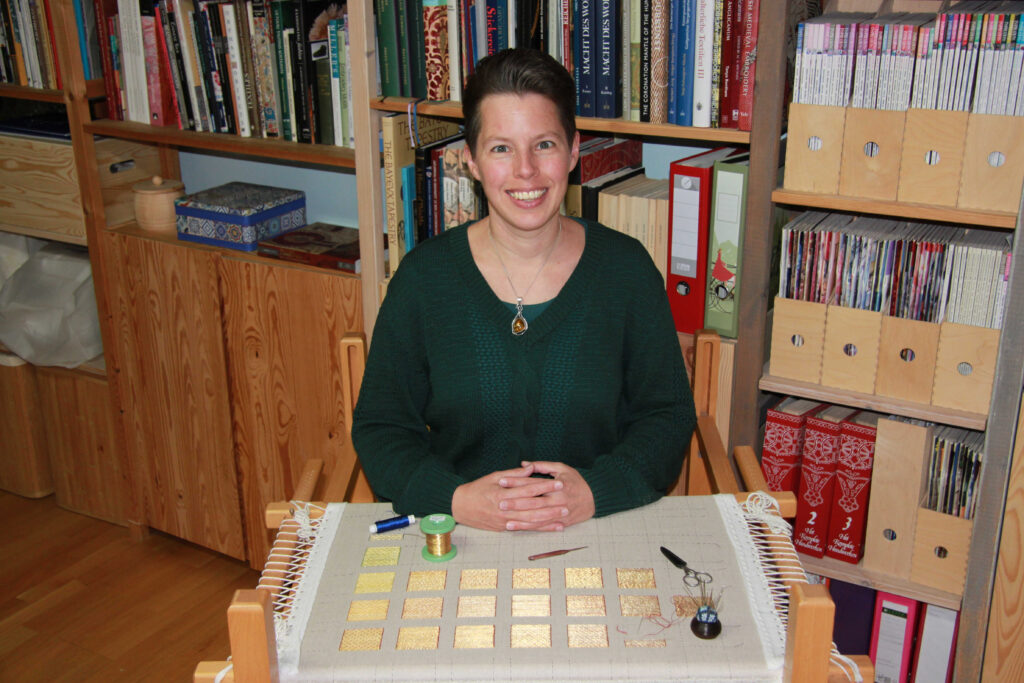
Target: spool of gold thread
[438,530]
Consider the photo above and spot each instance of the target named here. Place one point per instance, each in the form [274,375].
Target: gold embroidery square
[531,578]
[640,605]
[376,582]
[394,536]
[531,605]
[477,606]
[583,577]
[422,608]
[685,605]
[531,635]
[585,606]
[635,578]
[418,637]
[361,639]
[475,636]
[588,635]
[478,579]
[646,643]
[432,580]
[381,556]
[368,610]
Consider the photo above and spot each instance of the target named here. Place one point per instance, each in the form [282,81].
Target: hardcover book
[817,479]
[318,244]
[853,482]
[435,25]
[784,442]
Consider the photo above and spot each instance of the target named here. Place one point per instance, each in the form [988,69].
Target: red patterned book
[817,479]
[605,158]
[853,483]
[748,60]
[784,441]
[435,41]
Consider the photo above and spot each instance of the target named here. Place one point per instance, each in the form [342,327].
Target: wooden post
[811,612]
[251,630]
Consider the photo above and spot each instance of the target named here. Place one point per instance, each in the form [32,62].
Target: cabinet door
[283,327]
[173,391]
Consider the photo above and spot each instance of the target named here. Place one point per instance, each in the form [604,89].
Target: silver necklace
[519,324]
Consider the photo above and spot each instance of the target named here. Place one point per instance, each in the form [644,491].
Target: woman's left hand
[575,496]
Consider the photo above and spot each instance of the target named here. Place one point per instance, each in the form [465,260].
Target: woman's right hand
[485,502]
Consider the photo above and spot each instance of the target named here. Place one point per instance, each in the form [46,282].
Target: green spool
[438,525]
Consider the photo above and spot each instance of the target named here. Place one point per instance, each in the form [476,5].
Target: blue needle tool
[393,523]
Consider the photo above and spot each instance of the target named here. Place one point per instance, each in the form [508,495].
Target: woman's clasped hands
[514,500]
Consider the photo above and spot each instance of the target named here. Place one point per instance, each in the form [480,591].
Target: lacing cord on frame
[772,536]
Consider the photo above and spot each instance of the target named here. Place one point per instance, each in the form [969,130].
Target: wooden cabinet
[168,355]
[282,329]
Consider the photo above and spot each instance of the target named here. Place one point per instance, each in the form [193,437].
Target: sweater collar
[567,300]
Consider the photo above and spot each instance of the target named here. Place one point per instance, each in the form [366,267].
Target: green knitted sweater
[597,382]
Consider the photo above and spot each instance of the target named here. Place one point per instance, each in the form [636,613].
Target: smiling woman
[525,373]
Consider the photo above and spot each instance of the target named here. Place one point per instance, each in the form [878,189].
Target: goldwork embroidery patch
[531,605]
[376,582]
[640,605]
[474,636]
[531,578]
[588,635]
[646,643]
[478,579]
[432,580]
[583,577]
[477,606]
[531,635]
[422,608]
[368,610]
[354,639]
[418,638]
[585,606]
[635,578]
[382,556]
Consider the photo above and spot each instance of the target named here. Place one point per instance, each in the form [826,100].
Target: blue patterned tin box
[239,215]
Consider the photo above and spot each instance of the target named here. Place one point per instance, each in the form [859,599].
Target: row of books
[919,271]
[688,62]
[28,52]
[907,640]
[966,58]
[254,68]
[825,454]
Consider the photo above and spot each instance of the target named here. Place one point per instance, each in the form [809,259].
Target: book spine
[171,58]
[245,41]
[625,153]
[585,19]
[418,49]
[850,501]
[608,85]
[716,62]
[235,75]
[386,17]
[454,52]
[304,84]
[221,73]
[780,454]
[404,29]
[703,54]
[817,480]
[160,111]
[104,9]
[333,28]
[645,60]
[282,20]
[435,24]
[731,23]
[264,66]
[660,45]
[748,61]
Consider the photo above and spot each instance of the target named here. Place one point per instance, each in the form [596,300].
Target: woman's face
[522,159]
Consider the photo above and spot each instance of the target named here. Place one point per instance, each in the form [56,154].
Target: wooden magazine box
[815,148]
[872,149]
[993,168]
[933,155]
[849,359]
[902,452]
[965,367]
[906,359]
[798,335]
[941,544]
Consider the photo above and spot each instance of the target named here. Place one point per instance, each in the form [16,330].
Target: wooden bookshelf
[262,148]
[882,404]
[93,89]
[855,573]
[43,234]
[924,212]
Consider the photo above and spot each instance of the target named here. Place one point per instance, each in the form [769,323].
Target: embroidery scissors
[691,577]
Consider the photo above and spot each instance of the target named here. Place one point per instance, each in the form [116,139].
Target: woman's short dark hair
[519,71]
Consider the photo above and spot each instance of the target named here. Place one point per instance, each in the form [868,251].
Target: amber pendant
[519,324]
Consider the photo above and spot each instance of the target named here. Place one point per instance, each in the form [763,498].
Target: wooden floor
[81,601]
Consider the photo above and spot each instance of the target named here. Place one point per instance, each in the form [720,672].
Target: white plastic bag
[48,310]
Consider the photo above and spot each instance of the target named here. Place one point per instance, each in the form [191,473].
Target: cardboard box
[238,215]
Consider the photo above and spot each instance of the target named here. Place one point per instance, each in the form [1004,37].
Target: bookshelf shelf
[921,411]
[856,574]
[263,148]
[43,234]
[929,212]
[133,230]
[453,110]
[93,88]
